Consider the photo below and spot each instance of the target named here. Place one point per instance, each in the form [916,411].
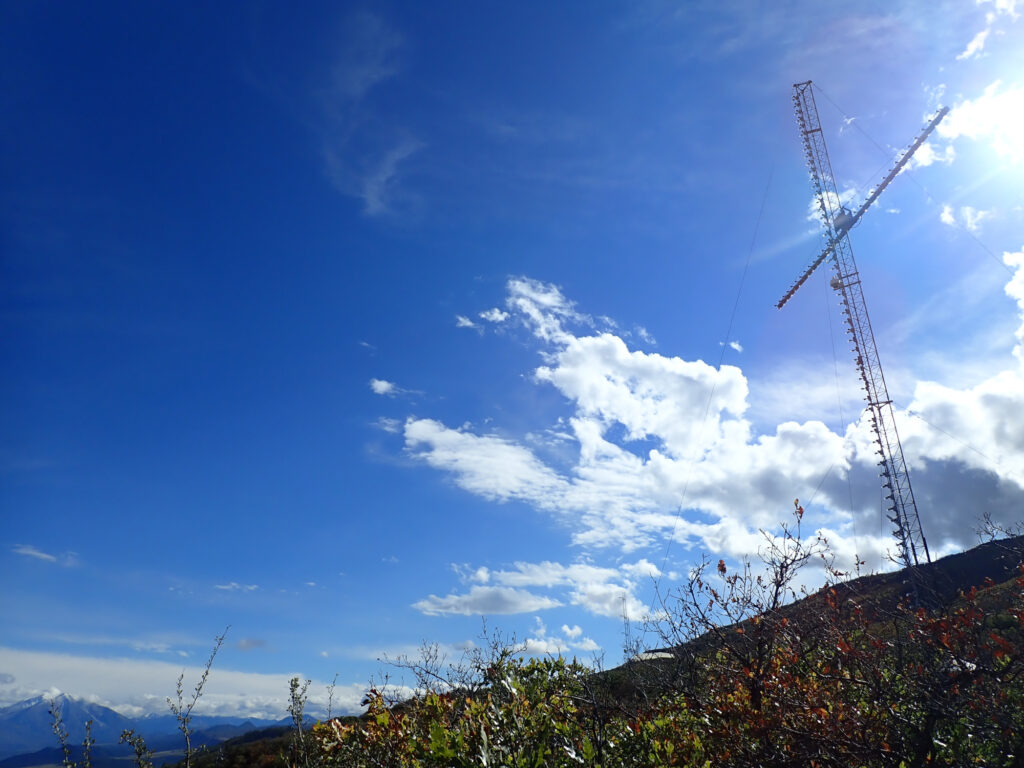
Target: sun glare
[997,116]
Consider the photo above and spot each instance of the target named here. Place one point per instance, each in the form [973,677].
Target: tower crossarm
[846,282]
[837,221]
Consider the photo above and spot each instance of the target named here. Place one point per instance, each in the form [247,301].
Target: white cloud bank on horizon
[656,435]
[137,687]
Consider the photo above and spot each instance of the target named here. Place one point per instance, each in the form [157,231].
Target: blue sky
[353,326]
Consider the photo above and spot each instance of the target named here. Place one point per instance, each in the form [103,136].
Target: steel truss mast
[837,221]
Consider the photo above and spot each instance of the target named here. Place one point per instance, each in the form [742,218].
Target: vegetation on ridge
[854,675]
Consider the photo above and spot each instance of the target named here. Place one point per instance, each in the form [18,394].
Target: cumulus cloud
[976,46]
[995,117]
[832,201]
[966,216]
[657,447]
[992,412]
[927,155]
[383,387]
[602,591]
[461,321]
[386,388]
[539,643]
[487,465]
[494,315]
[615,494]
[571,632]
[485,601]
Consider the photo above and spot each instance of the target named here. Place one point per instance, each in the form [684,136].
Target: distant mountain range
[27,737]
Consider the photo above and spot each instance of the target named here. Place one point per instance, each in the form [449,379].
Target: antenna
[837,221]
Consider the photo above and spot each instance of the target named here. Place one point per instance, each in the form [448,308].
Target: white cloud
[383,387]
[162,644]
[378,183]
[485,601]
[995,116]
[136,687]
[489,466]
[30,551]
[1015,290]
[612,495]
[645,335]
[367,57]
[832,201]
[976,46]
[927,155]
[234,586]
[968,217]
[543,646]
[603,591]
[468,574]
[363,153]
[1008,7]
[659,446]
[461,321]
[642,569]
[610,600]
[543,306]
[540,644]
[973,217]
[494,315]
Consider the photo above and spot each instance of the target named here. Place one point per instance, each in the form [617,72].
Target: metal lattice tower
[837,221]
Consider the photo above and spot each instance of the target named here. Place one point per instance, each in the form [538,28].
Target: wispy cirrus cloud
[66,559]
[363,152]
[234,586]
[378,182]
[999,8]
[29,551]
[162,643]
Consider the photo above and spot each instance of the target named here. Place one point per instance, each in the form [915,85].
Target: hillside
[877,604]
[27,739]
[835,641]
